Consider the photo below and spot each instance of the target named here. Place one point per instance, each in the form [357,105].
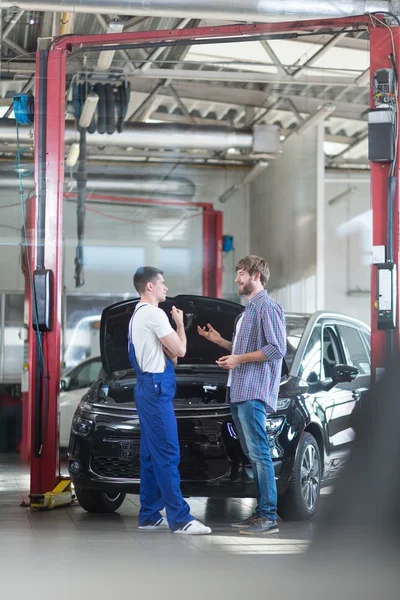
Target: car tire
[301,500]
[98,502]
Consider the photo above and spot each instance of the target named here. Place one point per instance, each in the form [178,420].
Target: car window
[331,351]
[310,368]
[355,349]
[367,339]
[86,375]
[295,327]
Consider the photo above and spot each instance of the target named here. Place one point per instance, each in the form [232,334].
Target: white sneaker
[194,528]
[161,525]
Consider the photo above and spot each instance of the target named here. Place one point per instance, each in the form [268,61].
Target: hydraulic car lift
[44,218]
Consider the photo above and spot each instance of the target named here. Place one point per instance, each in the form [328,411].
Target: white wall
[283,221]
[111,242]
[348,243]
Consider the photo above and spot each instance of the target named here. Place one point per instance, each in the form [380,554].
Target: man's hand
[177,316]
[210,334]
[229,362]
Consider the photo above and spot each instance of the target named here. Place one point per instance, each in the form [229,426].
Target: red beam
[380,49]
[112,199]
[45,469]
[212,254]
[82,41]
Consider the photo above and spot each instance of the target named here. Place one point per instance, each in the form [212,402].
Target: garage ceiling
[279,82]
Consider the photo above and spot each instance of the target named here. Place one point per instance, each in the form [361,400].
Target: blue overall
[159,446]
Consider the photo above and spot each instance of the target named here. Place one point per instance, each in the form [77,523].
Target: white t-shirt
[149,324]
[238,325]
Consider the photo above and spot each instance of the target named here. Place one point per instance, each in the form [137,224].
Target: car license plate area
[128,451]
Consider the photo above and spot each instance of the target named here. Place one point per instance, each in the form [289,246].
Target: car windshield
[295,327]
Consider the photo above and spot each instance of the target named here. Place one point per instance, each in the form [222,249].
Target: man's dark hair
[143,276]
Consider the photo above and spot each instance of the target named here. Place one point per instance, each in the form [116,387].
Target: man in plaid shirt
[255,366]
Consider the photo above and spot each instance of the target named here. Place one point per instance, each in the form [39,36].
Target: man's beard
[245,290]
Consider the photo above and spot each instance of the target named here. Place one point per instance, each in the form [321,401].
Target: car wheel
[98,502]
[301,499]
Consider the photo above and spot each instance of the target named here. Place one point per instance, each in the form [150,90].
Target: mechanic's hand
[177,315]
[229,362]
[210,334]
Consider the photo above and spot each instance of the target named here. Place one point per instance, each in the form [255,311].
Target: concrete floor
[118,532]
[68,554]
[38,550]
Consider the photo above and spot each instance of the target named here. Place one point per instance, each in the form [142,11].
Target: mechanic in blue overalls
[153,350]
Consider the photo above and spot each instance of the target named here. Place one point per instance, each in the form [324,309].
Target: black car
[324,375]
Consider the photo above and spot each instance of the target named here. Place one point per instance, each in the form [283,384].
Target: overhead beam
[352,43]
[254,11]
[245,97]
[273,57]
[319,54]
[12,23]
[247,77]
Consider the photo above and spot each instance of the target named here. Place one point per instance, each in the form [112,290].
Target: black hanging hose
[109,99]
[80,211]
[101,108]
[111,109]
[110,115]
[124,92]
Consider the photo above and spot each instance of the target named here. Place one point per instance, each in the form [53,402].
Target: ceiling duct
[249,10]
[157,187]
[261,138]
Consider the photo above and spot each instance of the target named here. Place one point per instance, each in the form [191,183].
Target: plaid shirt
[263,328]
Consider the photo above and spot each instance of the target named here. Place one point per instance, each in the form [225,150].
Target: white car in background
[74,384]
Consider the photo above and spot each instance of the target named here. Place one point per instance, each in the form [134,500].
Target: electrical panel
[387,296]
[42,284]
[382,119]
[383,82]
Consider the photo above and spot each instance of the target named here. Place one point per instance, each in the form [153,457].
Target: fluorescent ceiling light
[107,56]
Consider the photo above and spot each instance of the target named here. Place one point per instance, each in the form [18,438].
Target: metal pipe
[149,135]
[177,187]
[252,10]
[64,23]
[253,174]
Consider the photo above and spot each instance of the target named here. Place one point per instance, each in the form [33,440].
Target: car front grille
[117,468]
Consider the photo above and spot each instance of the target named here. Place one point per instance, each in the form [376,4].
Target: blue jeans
[250,421]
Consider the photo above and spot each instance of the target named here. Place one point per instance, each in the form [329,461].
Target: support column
[380,49]
[320,195]
[212,253]
[51,112]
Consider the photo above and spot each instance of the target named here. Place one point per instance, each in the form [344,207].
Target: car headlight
[283,403]
[274,425]
[85,405]
[81,426]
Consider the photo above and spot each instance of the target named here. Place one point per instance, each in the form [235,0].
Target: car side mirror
[64,384]
[344,373]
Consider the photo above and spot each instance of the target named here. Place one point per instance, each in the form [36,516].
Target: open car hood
[198,310]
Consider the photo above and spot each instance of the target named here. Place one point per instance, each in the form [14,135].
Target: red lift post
[45,470]
[382,44]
